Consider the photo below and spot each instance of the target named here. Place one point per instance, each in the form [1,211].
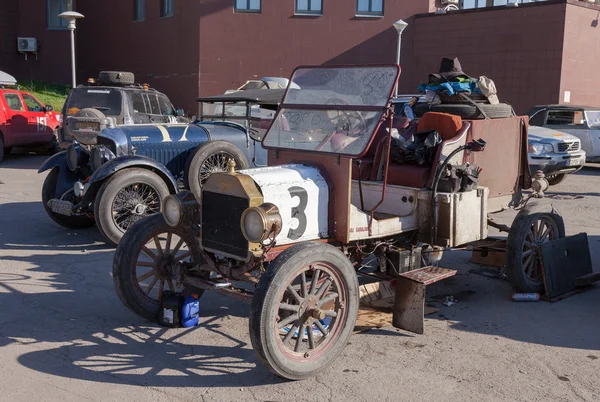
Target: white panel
[302,196]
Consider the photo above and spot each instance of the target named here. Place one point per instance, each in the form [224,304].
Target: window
[467,4]
[139,10]
[54,8]
[248,6]
[309,7]
[565,118]
[166,108]
[369,7]
[14,102]
[32,104]
[137,102]
[167,8]
[152,104]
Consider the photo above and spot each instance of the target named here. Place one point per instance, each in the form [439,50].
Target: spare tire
[116,77]
[467,111]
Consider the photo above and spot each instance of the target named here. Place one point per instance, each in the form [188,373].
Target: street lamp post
[400,26]
[71,16]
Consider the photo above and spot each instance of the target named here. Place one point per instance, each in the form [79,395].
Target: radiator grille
[568,146]
[221,216]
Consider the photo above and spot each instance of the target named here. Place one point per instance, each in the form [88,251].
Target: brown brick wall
[9,25]
[581,55]
[162,52]
[53,62]
[519,48]
[238,47]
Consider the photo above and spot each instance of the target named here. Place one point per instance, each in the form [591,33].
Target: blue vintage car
[117,176]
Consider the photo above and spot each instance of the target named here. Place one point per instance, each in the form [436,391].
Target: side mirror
[48,108]
[180,112]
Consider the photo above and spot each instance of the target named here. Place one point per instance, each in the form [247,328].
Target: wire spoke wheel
[134,202]
[214,163]
[304,309]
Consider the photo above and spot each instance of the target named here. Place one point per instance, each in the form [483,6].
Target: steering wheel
[348,124]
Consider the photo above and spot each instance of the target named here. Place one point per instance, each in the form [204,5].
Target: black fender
[114,165]
[66,177]
[59,159]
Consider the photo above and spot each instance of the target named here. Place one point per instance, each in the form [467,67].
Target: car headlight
[76,157]
[179,209]
[260,223]
[540,148]
[99,156]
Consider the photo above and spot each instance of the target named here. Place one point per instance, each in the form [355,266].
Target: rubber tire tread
[127,252]
[110,77]
[558,178]
[269,287]
[200,154]
[514,244]
[49,192]
[467,111]
[109,190]
[2,149]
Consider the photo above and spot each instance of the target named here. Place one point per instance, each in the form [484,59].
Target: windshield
[593,119]
[107,100]
[337,109]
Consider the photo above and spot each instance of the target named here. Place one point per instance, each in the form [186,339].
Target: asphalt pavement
[64,334]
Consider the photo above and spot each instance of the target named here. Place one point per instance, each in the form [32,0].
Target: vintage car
[582,122]
[291,238]
[115,99]
[555,153]
[114,177]
[24,120]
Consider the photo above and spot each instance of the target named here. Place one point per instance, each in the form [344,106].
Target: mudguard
[66,177]
[114,165]
[59,159]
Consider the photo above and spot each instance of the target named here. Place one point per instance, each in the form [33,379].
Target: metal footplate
[409,306]
[61,207]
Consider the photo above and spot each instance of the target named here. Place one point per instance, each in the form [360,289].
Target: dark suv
[113,100]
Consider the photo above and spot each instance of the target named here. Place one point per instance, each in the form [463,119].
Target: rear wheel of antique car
[209,158]
[125,198]
[49,192]
[555,179]
[145,264]
[535,224]
[304,310]
[54,147]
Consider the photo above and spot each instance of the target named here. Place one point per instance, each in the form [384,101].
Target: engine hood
[548,135]
[302,196]
[156,133]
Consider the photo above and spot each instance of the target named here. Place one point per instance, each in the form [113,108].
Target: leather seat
[417,176]
[368,160]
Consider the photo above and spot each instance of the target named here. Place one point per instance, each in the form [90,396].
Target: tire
[49,192]
[116,77]
[554,179]
[528,278]
[468,111]
[129,183]
[266,316]
[213,155]
[54,147]
[128,255]
[2,149]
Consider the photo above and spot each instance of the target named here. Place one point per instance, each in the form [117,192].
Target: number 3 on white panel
[298,212]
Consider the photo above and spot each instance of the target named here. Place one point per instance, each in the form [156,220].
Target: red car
[24,120]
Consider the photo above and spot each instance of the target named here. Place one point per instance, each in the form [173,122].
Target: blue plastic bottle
[190,311]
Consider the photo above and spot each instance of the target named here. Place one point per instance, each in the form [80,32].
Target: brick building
[188,48]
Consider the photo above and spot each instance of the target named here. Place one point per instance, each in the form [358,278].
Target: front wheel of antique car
[125,198]
[209,158]
[146,263]
[304,310]
[49,192]
[535,224]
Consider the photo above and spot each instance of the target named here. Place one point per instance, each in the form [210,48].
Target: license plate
[87,126]
[574,162]
[61,207]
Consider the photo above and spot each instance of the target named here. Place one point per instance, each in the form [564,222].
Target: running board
[409,306]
